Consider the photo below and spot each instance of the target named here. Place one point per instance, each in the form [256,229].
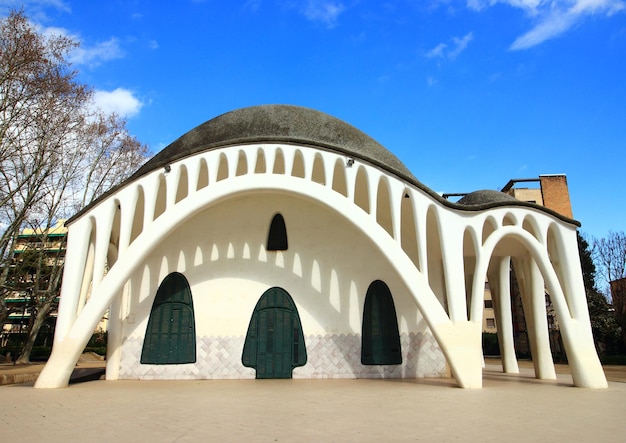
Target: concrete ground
[24,373]
[510,408]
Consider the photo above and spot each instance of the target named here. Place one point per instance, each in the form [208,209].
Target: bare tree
[56,156]
[610,256]
[37,88]
[110,154]
[101,155]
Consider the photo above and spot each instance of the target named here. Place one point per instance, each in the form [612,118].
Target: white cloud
[558,20]
[34,7]
[83,54]
[530,6]
[437,51]
[442,50]
[100,52]
[460,45]
[252,5]
[121,101]
[552,17]
[323,11]
[549,27]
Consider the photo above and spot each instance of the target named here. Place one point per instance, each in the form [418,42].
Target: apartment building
[22,274]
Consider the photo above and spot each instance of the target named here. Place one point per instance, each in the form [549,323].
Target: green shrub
[98,339]
[490,344]
[613,359]
[40,353]
[100,350]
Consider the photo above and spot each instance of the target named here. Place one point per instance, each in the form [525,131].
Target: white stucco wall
[327,270]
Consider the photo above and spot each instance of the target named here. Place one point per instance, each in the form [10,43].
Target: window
[380,338]
[277,237]
[171,331]
[488,304]
[491,323]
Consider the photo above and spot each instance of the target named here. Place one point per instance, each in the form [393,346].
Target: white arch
[577,337]
[453,338]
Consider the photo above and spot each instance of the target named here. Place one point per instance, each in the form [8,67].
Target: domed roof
[486,197]
[282,124]
[303,126]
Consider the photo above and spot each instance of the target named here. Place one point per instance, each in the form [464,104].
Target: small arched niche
[277,236]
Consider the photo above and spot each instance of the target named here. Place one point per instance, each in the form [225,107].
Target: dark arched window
[171,332]
[277,237]
[380,339]
[274,342]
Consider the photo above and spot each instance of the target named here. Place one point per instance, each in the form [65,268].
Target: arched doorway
[171,333]
[274,343]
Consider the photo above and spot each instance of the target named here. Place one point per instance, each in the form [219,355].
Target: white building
[277,241]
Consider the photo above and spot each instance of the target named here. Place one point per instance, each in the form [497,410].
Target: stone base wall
[328,356]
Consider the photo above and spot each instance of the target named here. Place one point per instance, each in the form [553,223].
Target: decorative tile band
[329,356]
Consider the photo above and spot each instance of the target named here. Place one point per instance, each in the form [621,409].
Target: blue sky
[468,94]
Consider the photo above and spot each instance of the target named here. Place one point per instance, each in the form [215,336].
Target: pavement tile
[511,408]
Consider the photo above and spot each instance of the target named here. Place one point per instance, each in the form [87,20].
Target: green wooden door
[274,343]
[380,338]
[170,334]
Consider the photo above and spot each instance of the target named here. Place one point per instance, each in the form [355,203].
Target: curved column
[308,158]
[150,193]
[73,271]
[584,362]
[88,268]
[104,224]
[193,174]
[328,161]
[540,339]
[500,284]
[130,197]
[269,153]
[114,339]
[453,267]
[289,158]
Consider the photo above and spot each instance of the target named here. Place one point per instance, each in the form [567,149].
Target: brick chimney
[555,194]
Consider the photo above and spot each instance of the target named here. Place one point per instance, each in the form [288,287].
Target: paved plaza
[509,408]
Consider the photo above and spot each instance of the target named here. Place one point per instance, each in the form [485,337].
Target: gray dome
[282,124]
[486,197]
[297,125]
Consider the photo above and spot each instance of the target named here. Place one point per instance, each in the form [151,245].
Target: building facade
[27,277]
[277,242]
